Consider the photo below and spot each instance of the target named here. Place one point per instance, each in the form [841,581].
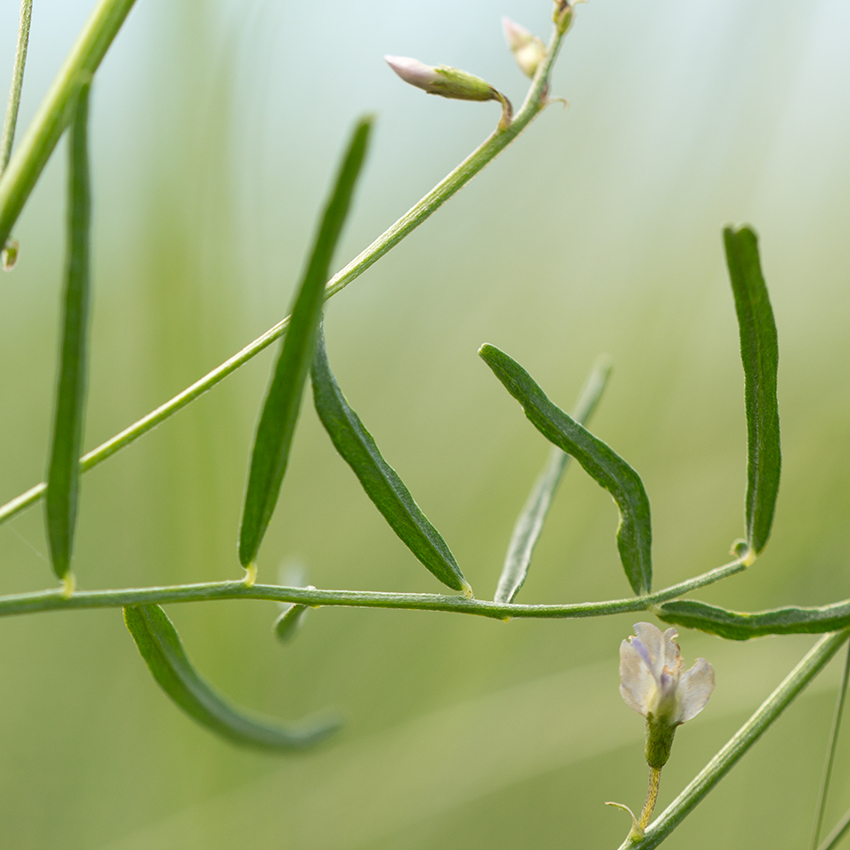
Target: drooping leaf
[277,422]
[380,481]
[600,461]
[63,474]
[160,646]
[739,625]
[529,524]
[760,356]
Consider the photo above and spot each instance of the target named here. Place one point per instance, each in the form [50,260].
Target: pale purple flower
[653,680]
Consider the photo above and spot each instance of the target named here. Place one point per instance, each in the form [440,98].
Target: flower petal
[672,653]
[695,687]
[650,636]
[637,684]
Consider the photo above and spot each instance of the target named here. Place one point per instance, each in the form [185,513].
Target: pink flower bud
[442,80]
[528,50]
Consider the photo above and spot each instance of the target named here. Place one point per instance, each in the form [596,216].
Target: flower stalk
[653,683]
[651,798]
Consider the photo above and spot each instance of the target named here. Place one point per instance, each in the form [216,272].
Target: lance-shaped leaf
[63,475]
[742,625]
[529,524]
[760,356]
[289,622]
[600,461]
[380,481]
[159,645]
[283,400]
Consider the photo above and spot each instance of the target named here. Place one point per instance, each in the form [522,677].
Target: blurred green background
[217,125]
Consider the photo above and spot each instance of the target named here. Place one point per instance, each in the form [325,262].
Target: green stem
[812,663]
[837,833]
[11,119]
[53,600]
[56,109]
[831,748]
[651,797]
[534,103]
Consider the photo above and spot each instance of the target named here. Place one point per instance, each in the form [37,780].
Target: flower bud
[449,82]
[528,50]
[563,14]
[442,80]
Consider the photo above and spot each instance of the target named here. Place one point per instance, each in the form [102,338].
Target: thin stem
[52,600]
[837,833]
[56,110]
[831,748]
[651,797]
[534,103]
[11,119]
[812,663]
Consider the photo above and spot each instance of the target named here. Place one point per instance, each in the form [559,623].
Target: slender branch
[55,111]
[11,120]
[53,600]
[812,663]
[837,833]
[832,746]
[534,103]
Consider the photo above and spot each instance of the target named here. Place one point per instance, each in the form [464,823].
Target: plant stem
[52,600]
[831,748]
[11,119]
[534,103]
[812,663]
[56,109]
[837,833]
[651,797]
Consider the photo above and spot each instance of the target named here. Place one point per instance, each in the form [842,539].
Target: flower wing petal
[637,684]
[695,687]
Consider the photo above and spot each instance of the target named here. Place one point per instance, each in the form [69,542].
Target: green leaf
[63,475]
[739,625]
[277,422]
[380,481]
[603,464]
[160,646]
[529,524]
[289,621]
[760,356]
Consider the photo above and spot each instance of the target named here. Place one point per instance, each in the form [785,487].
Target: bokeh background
[217,125]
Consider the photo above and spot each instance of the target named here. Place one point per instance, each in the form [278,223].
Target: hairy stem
[651,797]
[53,600]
